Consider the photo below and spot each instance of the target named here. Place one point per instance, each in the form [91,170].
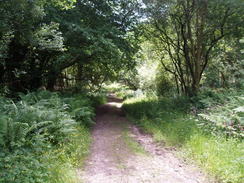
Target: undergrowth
[120,90]
[169,120]
[44,137]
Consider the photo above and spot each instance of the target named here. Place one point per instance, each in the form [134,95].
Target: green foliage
[168,122]
[155,104]
[49,43]
[22,166]
[81,110]
[221,110]
[43,137]
[120,90]
[228,118]
[195,42]
[165,85]
[221,157]
[48,37]
[227,69]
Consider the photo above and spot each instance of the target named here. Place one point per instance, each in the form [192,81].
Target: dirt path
[120,153]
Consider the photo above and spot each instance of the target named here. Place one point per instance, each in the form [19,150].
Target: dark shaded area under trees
[57,43]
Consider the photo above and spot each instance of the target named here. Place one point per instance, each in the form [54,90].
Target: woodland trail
[120,153]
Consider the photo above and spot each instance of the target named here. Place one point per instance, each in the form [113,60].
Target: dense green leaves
[33,132]
[190,35]
[47,39]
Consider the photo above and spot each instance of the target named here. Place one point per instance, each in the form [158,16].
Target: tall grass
[169,122]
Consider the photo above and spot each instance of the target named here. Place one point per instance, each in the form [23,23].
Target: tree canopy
[84,43]
[89,39]
[188,34]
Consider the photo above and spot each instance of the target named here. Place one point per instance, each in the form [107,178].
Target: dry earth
[120,153]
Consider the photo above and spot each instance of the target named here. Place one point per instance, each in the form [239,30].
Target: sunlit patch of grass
[223,158]
[220,156]
[63,173]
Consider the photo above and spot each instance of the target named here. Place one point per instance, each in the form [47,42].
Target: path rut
[112,160]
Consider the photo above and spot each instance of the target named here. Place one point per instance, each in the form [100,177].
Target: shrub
[43,132]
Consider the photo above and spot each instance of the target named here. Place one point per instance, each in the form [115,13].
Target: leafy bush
[227,118]
[221,110]
[98,99]
[40,132]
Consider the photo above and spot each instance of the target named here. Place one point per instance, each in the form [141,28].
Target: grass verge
[66,159]
[220,156]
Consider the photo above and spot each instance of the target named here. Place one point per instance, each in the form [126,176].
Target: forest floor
[121,153]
